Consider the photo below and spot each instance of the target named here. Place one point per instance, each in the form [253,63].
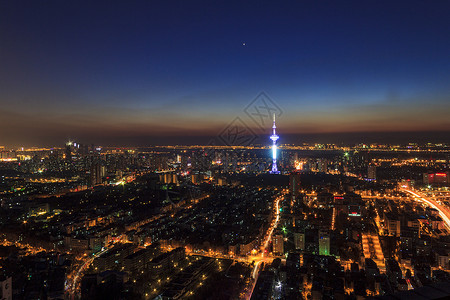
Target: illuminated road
[274,224]
[71,287]
[269,233]
[444,212]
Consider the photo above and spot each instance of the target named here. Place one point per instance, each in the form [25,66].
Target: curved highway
[444,212]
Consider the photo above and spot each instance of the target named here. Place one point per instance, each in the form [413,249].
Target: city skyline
[235,150]
[146,74]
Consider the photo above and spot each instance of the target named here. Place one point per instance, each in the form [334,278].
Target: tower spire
[274,137]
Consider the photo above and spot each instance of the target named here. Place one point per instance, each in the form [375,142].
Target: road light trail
[443,211]
[258,262]
[275,224]
[72,287]
[256,269]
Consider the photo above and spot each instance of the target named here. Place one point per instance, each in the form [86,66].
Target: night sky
[158,72]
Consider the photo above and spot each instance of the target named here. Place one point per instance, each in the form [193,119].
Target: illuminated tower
[274,137]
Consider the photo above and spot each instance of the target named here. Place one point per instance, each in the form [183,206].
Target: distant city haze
[147,73]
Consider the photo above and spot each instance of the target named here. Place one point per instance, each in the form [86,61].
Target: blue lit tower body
[274,137]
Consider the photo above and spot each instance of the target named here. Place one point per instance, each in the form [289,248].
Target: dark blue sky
[107,70]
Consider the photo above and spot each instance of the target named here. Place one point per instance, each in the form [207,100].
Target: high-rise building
[322,165]
[393,223]
[294,159]
[195,178]
[96,174]
[372,172]
[299,241]
[439,178]
[294,184]
[274,137]
[324,243]
[175,179]
[278,244]
[68,151]
[168,178]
